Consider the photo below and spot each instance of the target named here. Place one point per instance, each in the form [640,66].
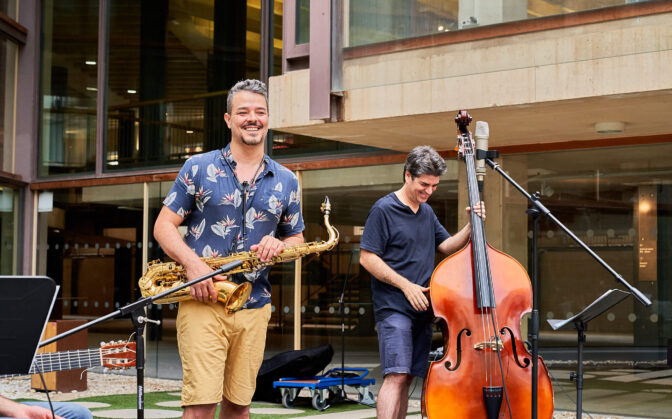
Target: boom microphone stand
[341,304]
[535,211]
[137,312]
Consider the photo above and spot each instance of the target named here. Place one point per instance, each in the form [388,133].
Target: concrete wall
[610,58]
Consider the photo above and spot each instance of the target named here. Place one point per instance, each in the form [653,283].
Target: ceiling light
[90,62]
[131,91]
[92,89]
[190,131]
[609,127]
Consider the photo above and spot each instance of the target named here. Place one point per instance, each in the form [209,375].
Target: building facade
[576,94]
[103,101]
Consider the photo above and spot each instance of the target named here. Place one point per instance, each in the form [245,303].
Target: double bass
[479,296]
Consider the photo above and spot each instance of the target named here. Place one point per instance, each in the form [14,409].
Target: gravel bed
[97,385]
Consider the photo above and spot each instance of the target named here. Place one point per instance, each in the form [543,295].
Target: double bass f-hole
[482,293]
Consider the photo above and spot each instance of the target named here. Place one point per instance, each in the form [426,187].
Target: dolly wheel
[318,402]
[368,397]
[287,400]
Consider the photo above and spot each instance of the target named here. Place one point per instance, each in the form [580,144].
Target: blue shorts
[404,345]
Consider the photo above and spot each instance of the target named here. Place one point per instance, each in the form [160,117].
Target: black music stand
[580,321]
[25,305]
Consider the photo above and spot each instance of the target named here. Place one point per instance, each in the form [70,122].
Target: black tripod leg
[138,322]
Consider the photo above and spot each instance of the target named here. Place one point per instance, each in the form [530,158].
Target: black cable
[46,390]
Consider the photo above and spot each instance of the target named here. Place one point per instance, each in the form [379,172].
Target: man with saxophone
[231,200]
[400,238]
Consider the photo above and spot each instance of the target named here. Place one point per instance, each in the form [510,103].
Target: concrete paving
[616,392]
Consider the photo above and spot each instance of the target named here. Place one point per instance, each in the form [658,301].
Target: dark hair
[424,160]
[250,85]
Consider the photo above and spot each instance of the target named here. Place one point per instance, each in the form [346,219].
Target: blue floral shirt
[221,221]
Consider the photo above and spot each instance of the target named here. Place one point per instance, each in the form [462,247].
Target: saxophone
[162,276]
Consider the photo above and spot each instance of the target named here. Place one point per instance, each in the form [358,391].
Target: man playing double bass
[400,239]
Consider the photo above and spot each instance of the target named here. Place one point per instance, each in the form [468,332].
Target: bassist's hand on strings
[479,209]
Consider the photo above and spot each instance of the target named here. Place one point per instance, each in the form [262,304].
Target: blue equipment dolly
[321,386]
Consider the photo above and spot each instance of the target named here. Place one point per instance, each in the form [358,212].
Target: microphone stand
[535,211]
[342,395]
[137,311]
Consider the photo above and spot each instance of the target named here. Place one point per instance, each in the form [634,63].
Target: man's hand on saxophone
[204,291]
[269,246]
[165,231]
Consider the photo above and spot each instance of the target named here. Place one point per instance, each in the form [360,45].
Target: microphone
[481,137]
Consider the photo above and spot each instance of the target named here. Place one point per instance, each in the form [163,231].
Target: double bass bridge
[495,344]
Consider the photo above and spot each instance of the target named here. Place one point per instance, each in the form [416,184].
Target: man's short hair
[424,160]
[251,85]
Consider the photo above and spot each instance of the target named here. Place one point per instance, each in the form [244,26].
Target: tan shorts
[221,353]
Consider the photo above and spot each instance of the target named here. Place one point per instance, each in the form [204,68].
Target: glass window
[170,67]
[90,243]
[285,145]
[68,87]
[372,21]
[302,21]
[9,237]
[277,39]
[352,192]
[8,56]
[9,7]
[617,201]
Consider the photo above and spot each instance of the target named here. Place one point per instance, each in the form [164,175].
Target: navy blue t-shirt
[406,242]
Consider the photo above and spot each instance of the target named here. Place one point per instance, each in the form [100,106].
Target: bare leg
[233,411]
[392,401]
[199,411]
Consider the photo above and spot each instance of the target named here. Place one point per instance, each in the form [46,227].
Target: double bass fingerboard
[483,280]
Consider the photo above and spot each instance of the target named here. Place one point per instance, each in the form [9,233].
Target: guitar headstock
[465,145]
[118,355]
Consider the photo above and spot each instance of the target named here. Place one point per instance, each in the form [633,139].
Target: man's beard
[253,141]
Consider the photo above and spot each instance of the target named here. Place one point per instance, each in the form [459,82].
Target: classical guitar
[113,355]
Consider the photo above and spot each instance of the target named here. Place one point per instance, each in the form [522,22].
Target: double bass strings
[483,279]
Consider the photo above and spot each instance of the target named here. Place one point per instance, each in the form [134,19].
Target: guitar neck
[66,360]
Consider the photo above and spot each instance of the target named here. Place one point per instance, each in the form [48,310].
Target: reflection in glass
[352,192]
[285,145]
[170,68]
[68,87]
[8,56]
[302,22]
[617,201]
[9,239]
[90,243]
[9,8]
[372,21]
